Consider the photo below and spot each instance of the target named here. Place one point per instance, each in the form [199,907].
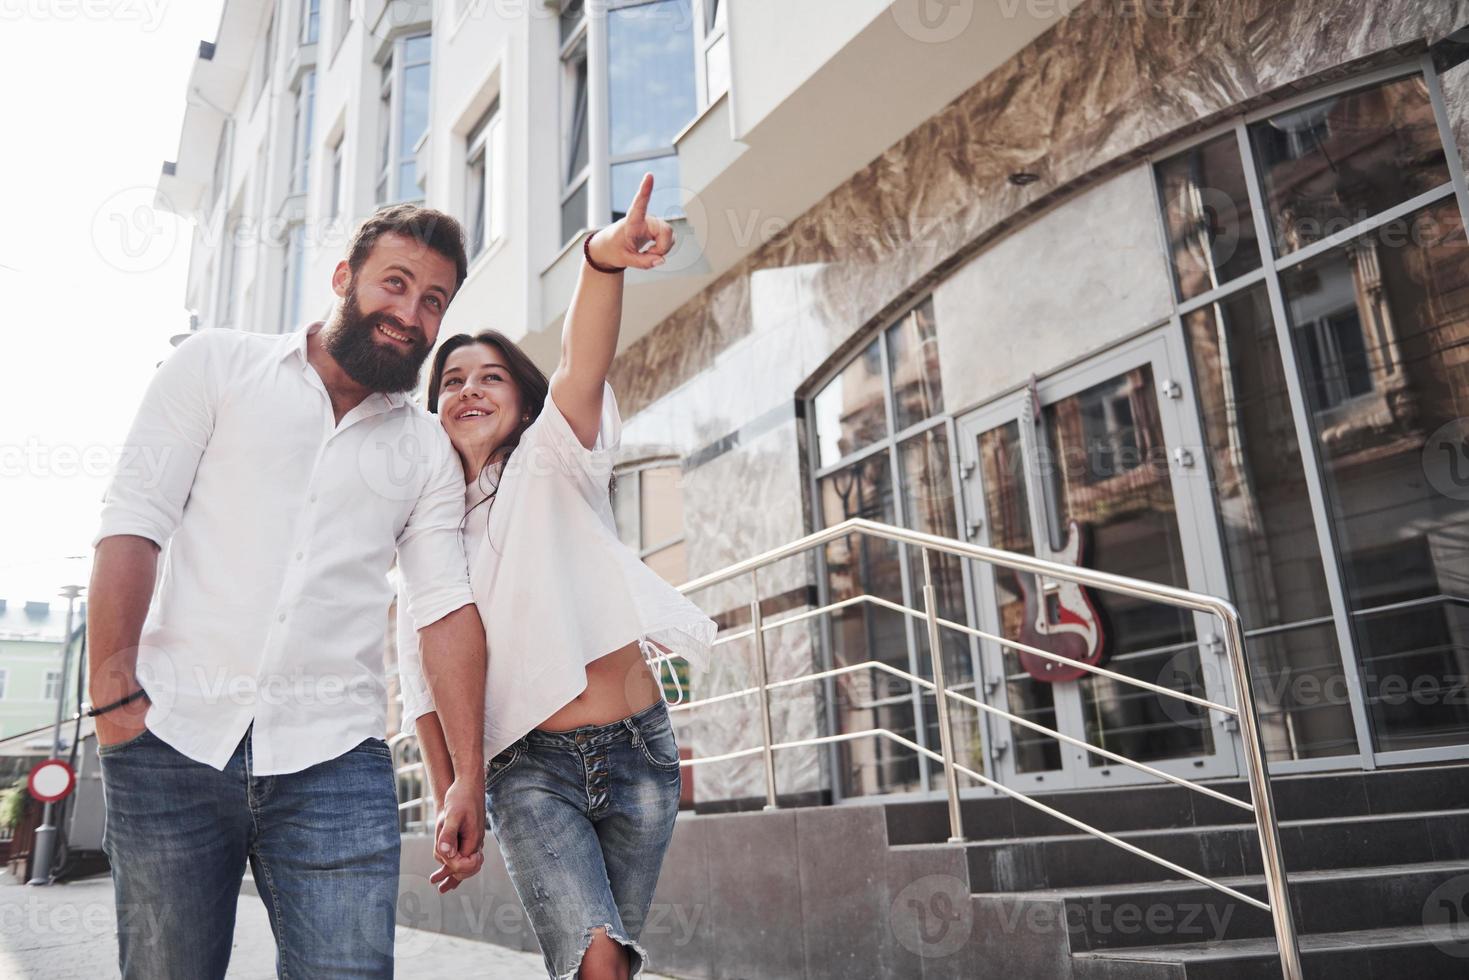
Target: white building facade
[927,249]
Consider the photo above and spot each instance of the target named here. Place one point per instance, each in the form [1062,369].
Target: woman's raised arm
[594,318]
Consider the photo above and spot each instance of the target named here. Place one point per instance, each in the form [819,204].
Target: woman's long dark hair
[527,378]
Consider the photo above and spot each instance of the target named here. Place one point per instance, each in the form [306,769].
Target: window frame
[52,675]
[310,21]
[390,105]
[485,148]
[575,116]
[891,445]
[302,131]
[1274,265]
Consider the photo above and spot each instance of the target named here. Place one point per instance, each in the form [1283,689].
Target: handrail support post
[767,737]
[941,703]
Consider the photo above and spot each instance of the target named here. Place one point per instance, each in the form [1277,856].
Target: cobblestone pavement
[67,932]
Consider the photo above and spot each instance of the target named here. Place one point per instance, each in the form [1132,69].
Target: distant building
[30,671]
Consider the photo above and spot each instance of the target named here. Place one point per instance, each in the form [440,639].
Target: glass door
[1095,467]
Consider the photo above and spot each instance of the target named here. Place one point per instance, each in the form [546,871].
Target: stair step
[1183,911]
[1161,806]
[1419,952]
[1072,860]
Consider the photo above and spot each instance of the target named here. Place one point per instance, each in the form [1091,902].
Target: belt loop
[637,736]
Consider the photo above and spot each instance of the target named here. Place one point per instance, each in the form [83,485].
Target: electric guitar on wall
[1060,617]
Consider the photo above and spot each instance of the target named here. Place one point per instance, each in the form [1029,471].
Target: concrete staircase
[1378,863]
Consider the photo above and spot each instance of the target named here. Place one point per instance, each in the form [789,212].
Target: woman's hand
[637,241]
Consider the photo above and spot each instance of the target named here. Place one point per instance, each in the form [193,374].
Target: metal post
[1276,886]
[941,700]
[766,734]
[45,839]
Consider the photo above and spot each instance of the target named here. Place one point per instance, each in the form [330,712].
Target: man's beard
[352,343]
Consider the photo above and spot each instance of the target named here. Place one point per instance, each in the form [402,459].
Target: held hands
[637,241]
[459,835]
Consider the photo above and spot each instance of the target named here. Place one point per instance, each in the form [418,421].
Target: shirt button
[313,498]
[282,617]
[300,555]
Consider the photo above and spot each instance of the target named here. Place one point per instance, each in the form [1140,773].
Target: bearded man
[240,706]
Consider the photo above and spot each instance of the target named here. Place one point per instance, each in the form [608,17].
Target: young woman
[582,783]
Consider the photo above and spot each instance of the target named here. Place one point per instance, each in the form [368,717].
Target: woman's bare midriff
[618,684]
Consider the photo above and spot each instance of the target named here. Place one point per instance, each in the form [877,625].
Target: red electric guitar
[1060,617]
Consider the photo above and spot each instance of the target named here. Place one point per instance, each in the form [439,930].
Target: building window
[486,180]
[301,134]
[1370,331]
[650,95]
[716,51]
[292,278]
[4,675]
[647,506]
[576,140]
[882,452]
[334,202]
[403,118]
[310,20]
[51,689]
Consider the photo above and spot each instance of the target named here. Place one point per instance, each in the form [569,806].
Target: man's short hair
[430,228]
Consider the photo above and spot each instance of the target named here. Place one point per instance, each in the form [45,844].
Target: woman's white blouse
[555,586]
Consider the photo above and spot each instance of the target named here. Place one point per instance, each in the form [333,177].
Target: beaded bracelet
[586,247]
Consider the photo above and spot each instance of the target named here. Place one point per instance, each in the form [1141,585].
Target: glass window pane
[413,115]
[868,699]
[1109,494]
[627,177]
[574,213]
[1334,163]
[651,94]
[1206,208]
[571,16]
[927,486]
[1007,516]
[716,61]
[849,410]
[475,205]
[575,127]
[661,497]
[416,49]
[1264,514]
[913,359]
[1395,303]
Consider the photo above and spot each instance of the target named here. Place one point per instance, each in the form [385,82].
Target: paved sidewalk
[67,932]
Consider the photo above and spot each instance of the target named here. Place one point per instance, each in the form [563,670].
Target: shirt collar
[295,343]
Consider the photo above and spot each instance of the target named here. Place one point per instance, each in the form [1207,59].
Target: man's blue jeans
[322,843]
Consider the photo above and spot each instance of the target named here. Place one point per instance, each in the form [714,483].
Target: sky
[94,100]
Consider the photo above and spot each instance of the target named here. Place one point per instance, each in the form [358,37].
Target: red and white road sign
[51,781]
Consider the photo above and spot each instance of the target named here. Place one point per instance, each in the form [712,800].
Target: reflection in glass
[1264,512]
[913,359]
[849,410]
[1394,458]
[1107,470]
[927,487]
[665,202]
[868,699]
[650,70]
[1007,515]
[1206,207]
[1331,164]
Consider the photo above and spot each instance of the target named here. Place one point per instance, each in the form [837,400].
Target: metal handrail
[1261,799]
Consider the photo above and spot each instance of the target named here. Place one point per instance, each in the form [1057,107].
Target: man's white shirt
[278,527]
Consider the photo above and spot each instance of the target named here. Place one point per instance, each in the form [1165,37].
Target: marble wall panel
[1074,281]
